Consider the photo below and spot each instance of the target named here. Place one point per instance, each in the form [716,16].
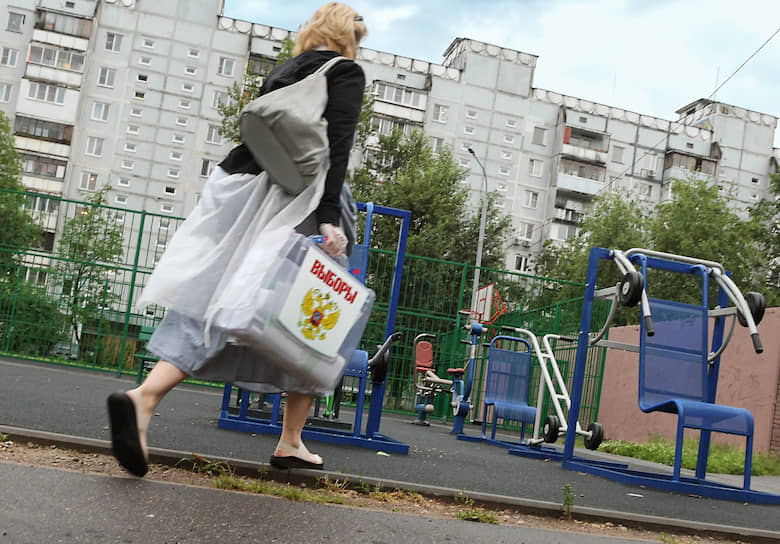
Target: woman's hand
[335,240]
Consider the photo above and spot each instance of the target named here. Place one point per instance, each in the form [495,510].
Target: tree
[91,242]
[17,229]
[404,173]
[239,95]
[697,222]
[765,218]
[615,221]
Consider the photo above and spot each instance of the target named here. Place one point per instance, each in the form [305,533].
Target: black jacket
[346,83]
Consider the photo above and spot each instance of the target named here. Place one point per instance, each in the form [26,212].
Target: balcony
[63,78]
[584,154]
[578,185]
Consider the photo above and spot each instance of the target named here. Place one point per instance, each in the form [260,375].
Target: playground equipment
[428,384]
[678,364]
[360,366]
[552,382]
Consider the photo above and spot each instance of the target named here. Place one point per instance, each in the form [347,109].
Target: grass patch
[467,511]
[722,459]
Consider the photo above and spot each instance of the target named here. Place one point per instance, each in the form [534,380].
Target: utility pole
[481,238]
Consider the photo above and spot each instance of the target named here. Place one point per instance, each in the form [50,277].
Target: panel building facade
[125,93]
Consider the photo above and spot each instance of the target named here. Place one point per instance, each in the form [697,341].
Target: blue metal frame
[461,390]
[358,367]
[697,485]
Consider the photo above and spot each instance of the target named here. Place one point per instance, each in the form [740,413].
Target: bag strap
[328,65]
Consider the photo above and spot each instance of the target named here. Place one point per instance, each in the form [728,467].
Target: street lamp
[481,238]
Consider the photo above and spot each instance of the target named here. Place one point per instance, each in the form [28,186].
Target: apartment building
[125,92]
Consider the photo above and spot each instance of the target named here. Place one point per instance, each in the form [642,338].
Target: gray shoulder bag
[286,132]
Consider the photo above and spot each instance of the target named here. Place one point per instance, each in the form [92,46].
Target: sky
[648,56]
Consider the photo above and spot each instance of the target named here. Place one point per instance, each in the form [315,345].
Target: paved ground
[69,405]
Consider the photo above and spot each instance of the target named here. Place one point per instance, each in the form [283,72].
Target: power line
[655,146]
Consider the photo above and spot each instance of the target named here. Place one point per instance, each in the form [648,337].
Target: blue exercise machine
[678,364]
[360,366]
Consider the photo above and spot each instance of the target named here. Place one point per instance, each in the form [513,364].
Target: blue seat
[507,384]
[674,377]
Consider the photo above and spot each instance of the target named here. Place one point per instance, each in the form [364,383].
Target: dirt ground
[400,502]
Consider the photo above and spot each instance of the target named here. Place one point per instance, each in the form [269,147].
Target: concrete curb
[310,477]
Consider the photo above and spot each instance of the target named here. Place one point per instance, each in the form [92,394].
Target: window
[128,165]
[88,181]
[500,203]
[754,180]
[113,41]
[540,135]
[121,199]
[194,53]
[133,129]
[190,70]
[15,22]
[146,61]
[509,139]
[531,199]
[501,187]
[436,144]
[5,91]
[187,87]
[43,167]
[506,155]
[178,138]
[440,113]
[94,146]
[175,155]
[173,173]
[526,231]
[165,223]
[49,55]
[124,182]
[148,43]
[166,208]
[131,147]
[225,67]
[583,119]
[206,166]
[646,191]
[143,78]
[184,104]
[564,232]
[135,112]
[106,77]
[119,218]
[511,123]
[617,154]
[522,263]
[689,145]
[220,97]
[464,163]
[169,190]
[535,168]
[213,136]
[139,95]
[45,130]
[100,111]
[388,92]
[504,171]
[8,56]
[63,24]
[468,130]
[471,114]
[46,93]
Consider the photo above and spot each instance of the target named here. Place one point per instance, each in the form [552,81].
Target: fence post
[130,296]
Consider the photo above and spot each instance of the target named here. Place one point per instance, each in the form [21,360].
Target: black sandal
[124,434]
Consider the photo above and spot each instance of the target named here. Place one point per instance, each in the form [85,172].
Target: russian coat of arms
[318,314]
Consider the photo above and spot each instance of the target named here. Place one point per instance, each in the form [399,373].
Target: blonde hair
[335,26]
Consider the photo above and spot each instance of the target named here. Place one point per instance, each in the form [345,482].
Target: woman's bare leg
[147,396]
[295,414]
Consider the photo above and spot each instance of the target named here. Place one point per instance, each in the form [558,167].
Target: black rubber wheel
[756,304]
[630,288]
[550,429]
[596,431]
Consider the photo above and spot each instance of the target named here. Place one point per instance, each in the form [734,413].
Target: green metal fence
[62,307]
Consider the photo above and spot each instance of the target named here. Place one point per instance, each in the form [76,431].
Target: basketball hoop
[488,305]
